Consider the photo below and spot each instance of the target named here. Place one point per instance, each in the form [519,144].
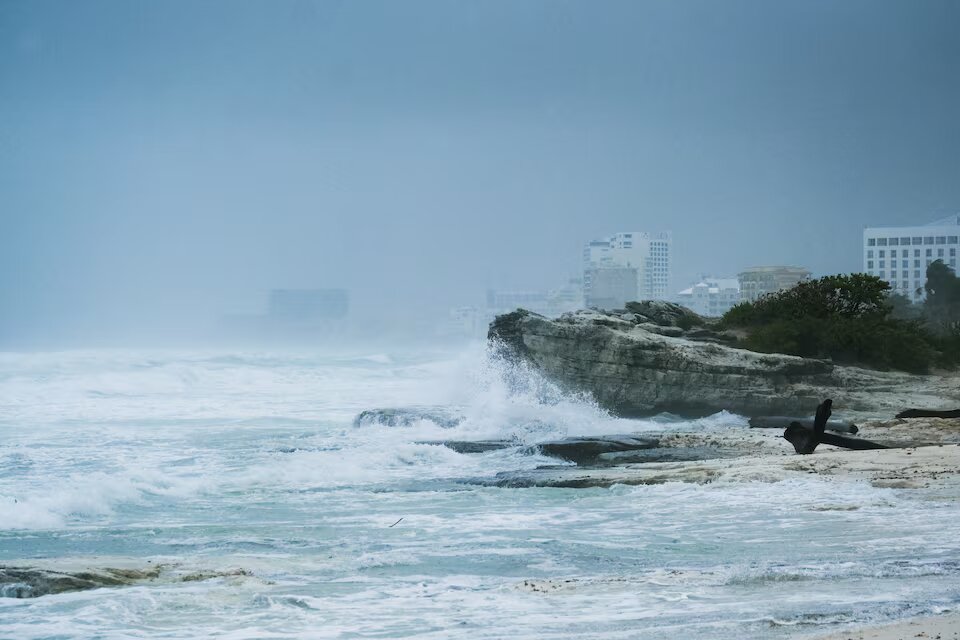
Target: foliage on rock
[847,318]
[941,309]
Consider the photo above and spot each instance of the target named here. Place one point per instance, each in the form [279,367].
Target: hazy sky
[162,162]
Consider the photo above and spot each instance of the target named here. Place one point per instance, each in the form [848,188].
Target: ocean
[275,515]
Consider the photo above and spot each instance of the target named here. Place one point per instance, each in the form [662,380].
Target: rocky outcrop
[34,582]
[923,467]
[657,357]
[584,451]
[31,582]
[407,416]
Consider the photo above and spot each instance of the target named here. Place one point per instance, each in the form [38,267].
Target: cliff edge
[657,357]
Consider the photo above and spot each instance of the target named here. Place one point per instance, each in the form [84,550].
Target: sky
[162,163]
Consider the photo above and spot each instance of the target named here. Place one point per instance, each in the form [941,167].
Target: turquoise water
[223,461]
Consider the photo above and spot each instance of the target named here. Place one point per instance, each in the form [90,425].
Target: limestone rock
[637,368]
[34,581]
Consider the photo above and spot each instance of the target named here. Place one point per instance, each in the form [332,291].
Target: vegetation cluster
[854,319]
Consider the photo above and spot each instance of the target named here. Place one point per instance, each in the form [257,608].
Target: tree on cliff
[941,309]
[846,318]
[942,306]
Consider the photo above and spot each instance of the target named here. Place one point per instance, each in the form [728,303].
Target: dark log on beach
[806,440]
[782,422]
[929,413]
[850,443]
[803,440]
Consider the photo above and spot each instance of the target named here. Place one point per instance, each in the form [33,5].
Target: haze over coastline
[164,163]
[475,319]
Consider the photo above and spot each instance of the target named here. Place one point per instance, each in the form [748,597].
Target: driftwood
[929,413]
[782,422]
[805,440]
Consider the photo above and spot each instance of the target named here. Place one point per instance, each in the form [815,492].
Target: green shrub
[941,310]
[846,318]
[949,347]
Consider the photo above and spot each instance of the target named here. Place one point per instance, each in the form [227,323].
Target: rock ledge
[657,357]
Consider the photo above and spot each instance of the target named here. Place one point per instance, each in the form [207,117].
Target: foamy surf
[217,461]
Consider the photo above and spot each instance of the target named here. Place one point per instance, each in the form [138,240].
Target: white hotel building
[900,255]
[623,254]
[711,297]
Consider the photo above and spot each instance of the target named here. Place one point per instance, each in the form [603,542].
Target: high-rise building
[760,281]
[612,287]
[646,254]
[901,255]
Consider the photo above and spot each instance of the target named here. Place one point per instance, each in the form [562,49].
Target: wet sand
[945,627]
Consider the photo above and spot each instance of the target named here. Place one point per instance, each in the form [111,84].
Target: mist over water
[230,228]
[166,165]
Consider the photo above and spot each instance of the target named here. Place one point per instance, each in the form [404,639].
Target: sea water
[248,466]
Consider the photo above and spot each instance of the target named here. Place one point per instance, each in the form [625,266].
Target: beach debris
[805,440]
[782,422]
[929,413]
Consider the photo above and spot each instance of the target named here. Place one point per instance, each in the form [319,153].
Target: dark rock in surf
[407,416]
[587,450]
[666,454]
[34,582]
[477,446]
[27,582]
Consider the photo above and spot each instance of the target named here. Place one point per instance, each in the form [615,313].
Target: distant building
[292,315]
[463,322]
[569,297]
[306,314]
[499,302]
[307,307]
[611,287]
[548,303]
[760,281]
[900,255]
[647,254]
[711,297]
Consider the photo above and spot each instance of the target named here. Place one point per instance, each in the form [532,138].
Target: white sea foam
[251,460]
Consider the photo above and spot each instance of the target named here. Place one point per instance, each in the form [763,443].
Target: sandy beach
[945,627]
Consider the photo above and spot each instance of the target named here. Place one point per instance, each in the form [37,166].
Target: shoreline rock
[907,468]
[407,416]
[656,357]
[925,451]
[32,581]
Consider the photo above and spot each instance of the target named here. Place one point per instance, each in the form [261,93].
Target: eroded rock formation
[655,356]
